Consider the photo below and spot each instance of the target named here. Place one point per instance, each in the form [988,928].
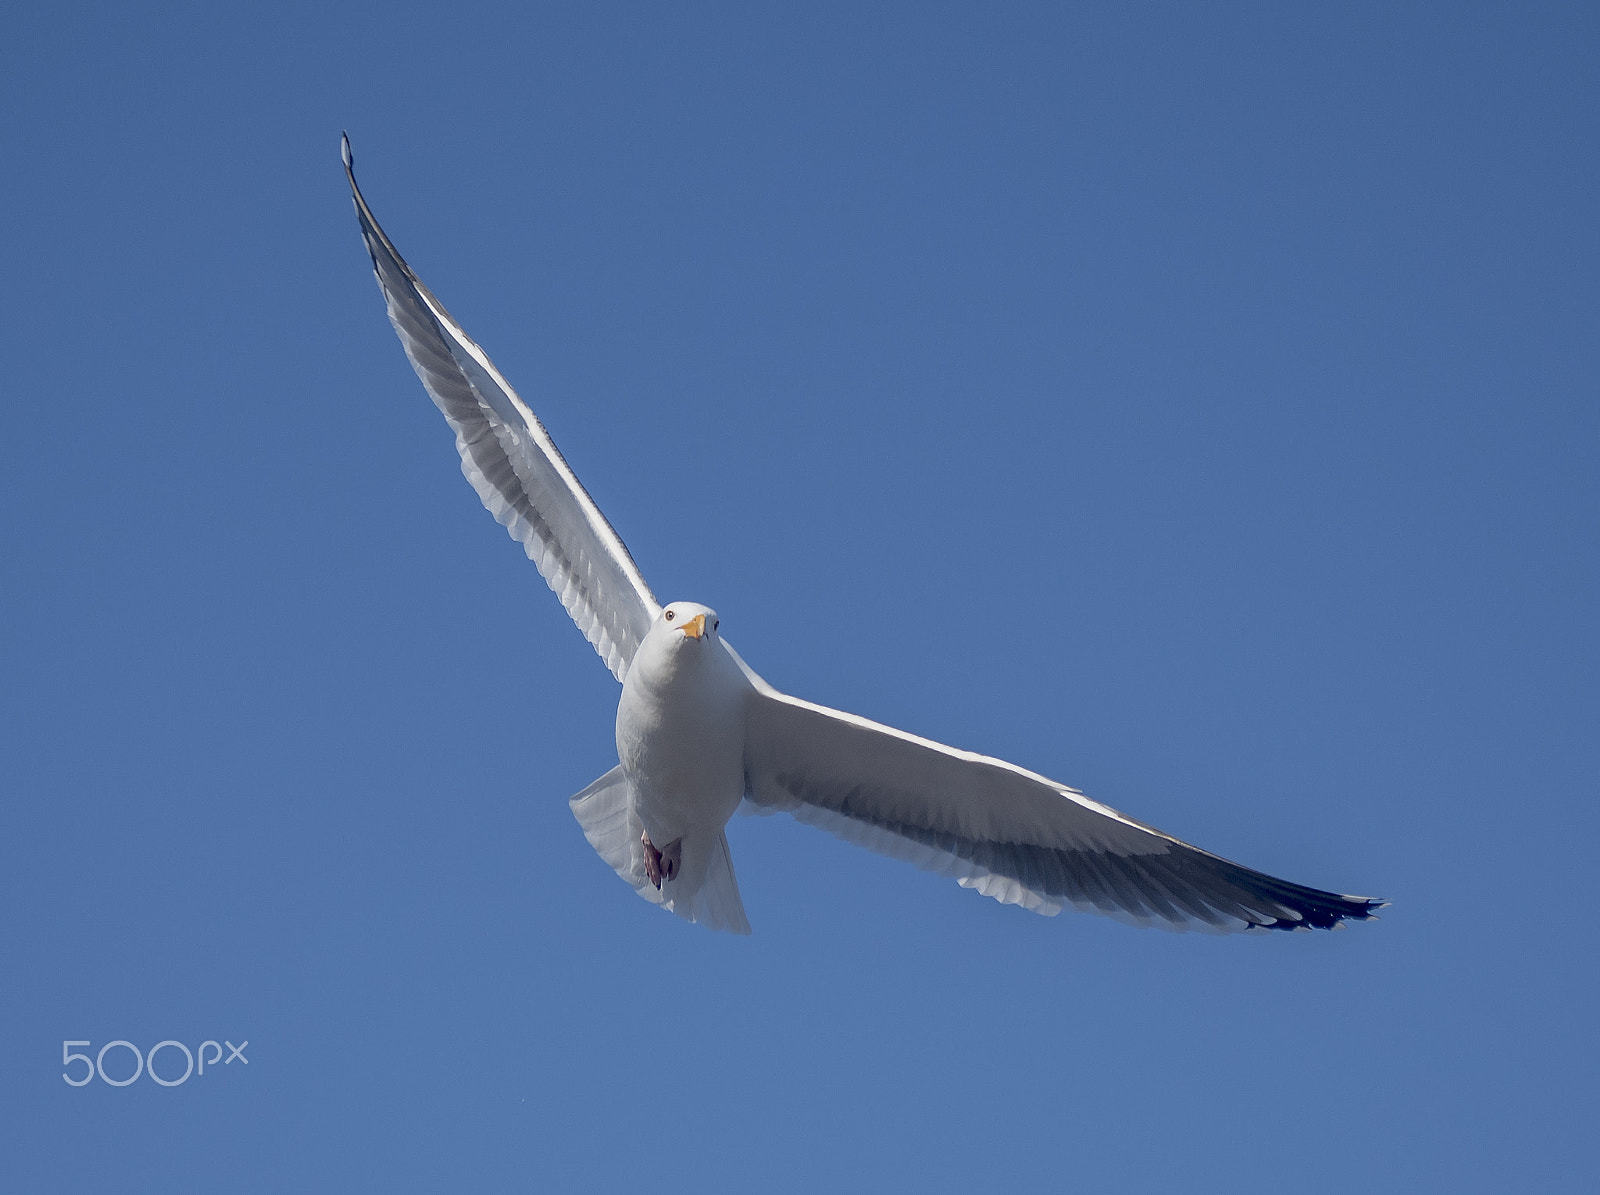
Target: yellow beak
[695,628]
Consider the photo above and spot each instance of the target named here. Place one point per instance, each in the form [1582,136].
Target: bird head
[691,620]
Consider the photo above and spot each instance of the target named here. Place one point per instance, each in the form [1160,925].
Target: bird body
[699,733]
[680,734]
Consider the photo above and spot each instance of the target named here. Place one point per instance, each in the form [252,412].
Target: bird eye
[715,623]
[669,615]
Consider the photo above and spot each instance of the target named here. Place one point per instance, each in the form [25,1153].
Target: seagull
[699,734]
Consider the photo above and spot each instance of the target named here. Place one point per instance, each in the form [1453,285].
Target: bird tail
[705,889]
[715,902]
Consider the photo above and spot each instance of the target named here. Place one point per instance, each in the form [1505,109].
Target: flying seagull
[699,733]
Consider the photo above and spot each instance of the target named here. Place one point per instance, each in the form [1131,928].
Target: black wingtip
[1312,908]
[1350,908]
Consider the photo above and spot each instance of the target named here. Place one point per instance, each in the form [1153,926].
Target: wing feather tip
[1332,916]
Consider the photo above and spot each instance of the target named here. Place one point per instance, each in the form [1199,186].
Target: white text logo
[146,1063]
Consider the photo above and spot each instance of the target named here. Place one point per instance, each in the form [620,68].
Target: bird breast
[680,735]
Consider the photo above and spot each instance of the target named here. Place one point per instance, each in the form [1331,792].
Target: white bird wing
[1009,833]
[511,461]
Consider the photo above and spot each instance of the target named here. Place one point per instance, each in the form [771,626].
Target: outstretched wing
[511,461]
[1009,833]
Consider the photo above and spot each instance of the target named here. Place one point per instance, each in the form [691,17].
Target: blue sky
[1197,407]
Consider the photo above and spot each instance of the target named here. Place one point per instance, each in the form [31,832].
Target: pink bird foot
[659,865]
